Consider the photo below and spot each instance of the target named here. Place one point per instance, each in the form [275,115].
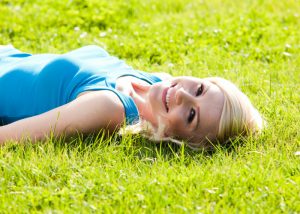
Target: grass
[255,44]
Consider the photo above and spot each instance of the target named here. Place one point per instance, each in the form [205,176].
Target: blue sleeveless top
[33,84]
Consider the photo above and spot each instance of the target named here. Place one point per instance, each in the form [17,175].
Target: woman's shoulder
[88,51]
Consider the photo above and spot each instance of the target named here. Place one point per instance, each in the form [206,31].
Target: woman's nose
[183,96]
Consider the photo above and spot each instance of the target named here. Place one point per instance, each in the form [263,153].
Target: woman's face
[189,107]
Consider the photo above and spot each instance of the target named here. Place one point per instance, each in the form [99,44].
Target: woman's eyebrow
[206,89]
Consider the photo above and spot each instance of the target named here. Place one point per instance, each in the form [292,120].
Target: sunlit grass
[255,44]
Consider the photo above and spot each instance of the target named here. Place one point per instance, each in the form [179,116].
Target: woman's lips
[164,98]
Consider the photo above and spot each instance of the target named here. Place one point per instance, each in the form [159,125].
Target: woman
[87,90]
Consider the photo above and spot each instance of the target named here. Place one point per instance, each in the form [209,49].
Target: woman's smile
[182,100]
[166,98]
[168,94]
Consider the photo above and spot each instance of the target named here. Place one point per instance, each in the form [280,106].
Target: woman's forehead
[210,106]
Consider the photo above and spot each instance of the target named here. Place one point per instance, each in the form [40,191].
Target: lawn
[254,43]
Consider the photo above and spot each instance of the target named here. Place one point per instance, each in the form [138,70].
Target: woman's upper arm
[88,113]
[94,111]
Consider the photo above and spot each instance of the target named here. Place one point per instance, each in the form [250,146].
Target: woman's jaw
[140,95]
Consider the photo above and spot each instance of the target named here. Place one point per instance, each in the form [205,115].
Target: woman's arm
[88,113]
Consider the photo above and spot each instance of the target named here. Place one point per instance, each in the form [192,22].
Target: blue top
[33,84]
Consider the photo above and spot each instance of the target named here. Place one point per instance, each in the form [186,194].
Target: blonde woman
[87,90]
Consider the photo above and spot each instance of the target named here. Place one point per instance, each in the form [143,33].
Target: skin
[102,110]
[193,112]
[91,112]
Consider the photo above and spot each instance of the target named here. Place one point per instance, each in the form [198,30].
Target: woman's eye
[199,90]
[191,115]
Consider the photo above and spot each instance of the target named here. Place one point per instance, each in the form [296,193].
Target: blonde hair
[238,118]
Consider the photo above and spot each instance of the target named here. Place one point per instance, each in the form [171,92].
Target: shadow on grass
[133,147]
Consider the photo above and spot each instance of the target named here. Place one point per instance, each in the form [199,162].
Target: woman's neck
[140,96]
[138,90]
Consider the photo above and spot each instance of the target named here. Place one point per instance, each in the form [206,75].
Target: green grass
[255,44]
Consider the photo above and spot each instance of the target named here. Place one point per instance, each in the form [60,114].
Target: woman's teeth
[168,94]
[168,99]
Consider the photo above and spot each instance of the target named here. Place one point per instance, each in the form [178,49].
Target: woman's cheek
[174,123]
